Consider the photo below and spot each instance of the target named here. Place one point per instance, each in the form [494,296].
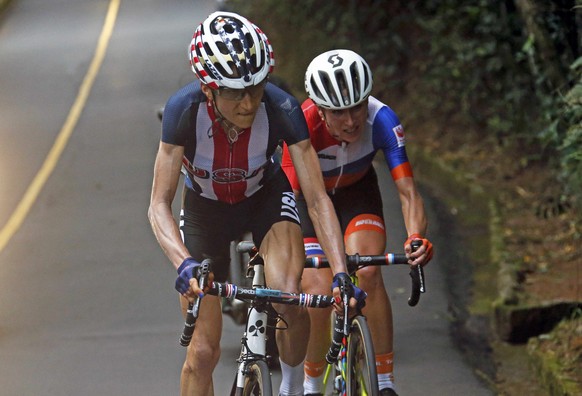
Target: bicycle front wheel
[362,379]
[257,380]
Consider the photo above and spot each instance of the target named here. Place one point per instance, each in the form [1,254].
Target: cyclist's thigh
[357,204]
[277,232]
[362,197]
[274,203]
[207,228]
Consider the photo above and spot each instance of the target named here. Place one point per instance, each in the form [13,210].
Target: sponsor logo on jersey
[225,175]
[286,105]
[326,156]
[228,175]
[288,207]
[399,133]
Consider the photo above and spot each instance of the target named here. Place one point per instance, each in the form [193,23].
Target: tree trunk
[532,12]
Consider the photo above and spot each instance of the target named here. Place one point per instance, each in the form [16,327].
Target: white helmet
[338,79]
[227,50]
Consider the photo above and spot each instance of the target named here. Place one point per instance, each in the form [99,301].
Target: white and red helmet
[338,79]
[227,50]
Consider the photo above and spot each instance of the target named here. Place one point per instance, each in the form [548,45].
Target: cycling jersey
[223,171]
[344,164]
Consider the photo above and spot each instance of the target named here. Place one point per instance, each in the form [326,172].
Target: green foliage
[501,67]
[570,149]
[301,30]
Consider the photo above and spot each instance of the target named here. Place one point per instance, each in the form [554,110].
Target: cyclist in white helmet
[347,128]
[224,129]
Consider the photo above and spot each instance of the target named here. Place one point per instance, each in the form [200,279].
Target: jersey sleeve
[176,118]
[289,169]
[311,116]
[389,137]
[289,120]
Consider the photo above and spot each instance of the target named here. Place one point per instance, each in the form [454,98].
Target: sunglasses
[237,95]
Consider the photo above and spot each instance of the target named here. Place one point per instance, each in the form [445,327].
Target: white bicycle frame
[256,330]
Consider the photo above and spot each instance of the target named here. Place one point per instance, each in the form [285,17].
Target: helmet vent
[328,87]
[356,83]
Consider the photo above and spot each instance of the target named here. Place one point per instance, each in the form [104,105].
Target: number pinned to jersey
[399,133]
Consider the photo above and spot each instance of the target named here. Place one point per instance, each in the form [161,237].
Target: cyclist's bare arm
[414,214]
[319,205]
[165,183]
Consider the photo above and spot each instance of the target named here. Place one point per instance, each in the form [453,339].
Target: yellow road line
[54,154]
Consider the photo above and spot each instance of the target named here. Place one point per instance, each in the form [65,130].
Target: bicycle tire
[362,379]
[257,380]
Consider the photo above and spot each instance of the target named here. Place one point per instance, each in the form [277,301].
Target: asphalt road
[87,304]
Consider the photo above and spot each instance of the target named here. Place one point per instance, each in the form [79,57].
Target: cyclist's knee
[285,281]
[370,278]
[316,281]
[200,356]
[292,313]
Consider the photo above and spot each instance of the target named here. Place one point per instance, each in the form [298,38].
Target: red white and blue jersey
[217,169]
[344,164]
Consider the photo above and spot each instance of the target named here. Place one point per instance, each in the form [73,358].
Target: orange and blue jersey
[344,164]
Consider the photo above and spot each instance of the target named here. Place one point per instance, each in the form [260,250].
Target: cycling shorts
[358,207]
[208,226]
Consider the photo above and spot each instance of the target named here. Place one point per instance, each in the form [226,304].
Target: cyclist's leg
[277,232]
[365,234]
[282,250]
[318,281]
[203,352]
[378,309]
[315,281]
[283,254]
[204,225]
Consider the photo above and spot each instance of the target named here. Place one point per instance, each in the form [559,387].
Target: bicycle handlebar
[229,290]
[356,261]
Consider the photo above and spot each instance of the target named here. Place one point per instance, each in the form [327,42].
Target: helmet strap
[231,131]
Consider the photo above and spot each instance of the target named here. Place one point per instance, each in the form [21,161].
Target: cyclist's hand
[342,285]
[422,255]
[187,280]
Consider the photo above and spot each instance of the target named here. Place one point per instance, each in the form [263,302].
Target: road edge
[472,217]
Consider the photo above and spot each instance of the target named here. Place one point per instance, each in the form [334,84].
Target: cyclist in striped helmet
[223,130]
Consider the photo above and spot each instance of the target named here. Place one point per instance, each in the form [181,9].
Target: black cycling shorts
[362,197]
[208,226]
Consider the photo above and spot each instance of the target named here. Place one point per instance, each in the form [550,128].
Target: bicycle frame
[254,346]
[253,369]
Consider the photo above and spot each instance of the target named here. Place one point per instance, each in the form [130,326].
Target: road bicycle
[253,376]
[351,358]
